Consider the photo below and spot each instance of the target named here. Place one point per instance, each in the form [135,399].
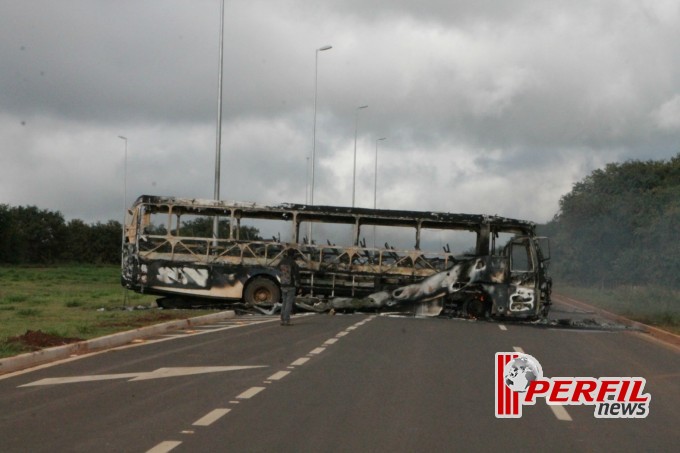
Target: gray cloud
[494,107]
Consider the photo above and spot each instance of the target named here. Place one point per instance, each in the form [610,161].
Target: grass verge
[76,302]
[655,306]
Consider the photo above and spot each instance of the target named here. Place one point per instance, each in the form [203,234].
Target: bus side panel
[198,280]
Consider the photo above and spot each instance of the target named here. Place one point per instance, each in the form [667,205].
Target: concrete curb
[31,359]
[659,334]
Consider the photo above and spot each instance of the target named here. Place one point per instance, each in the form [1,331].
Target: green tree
[620,225]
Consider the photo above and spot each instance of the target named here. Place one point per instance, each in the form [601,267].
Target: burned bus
[190,251]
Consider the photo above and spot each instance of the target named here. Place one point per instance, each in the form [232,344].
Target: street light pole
[218,140]
[122,242]
[124,185]
[307,180]
[316,80]
[218,145]
[354,173]
[375,183]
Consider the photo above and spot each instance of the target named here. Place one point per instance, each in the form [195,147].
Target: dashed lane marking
[502,327]
[559,411]
[211,417]
[252,391]
[216,414]
[278,375]
[164,446]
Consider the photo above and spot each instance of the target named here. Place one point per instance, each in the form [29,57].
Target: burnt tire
[262,291]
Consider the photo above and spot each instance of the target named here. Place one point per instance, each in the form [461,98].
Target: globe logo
[521,371]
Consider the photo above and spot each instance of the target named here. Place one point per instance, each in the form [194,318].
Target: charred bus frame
[497,280]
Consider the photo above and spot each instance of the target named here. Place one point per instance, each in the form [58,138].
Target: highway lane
[337,383]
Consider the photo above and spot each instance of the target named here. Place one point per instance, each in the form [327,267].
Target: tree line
[29,235]
[620,225]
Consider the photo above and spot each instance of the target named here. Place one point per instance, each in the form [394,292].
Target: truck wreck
[503,273]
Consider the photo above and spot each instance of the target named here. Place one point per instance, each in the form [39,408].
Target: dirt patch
[37,339]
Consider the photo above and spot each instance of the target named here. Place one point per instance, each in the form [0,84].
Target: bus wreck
[192,251]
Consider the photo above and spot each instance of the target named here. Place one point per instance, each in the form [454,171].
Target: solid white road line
[211,417]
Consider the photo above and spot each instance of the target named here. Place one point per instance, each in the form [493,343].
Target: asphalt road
[334,383]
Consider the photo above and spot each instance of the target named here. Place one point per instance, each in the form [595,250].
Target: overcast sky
[494,107]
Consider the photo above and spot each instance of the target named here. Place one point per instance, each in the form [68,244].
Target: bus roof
[337,214]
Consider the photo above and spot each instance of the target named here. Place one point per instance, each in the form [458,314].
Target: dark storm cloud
[484,104]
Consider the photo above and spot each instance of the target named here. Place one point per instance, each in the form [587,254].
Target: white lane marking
[342,334]
[502,327]
[317,351]
[234,402]
[156,374]
[164,446]
[351,328]
[330,341]
[300,361]
[252,391]
[211,417]
[73,379]
[149,340]
[278,375]
[560,412]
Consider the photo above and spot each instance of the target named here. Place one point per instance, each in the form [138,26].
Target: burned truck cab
[510,276]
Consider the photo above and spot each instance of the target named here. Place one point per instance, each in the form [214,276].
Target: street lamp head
[324,48]
[362,107]
[124,138]
[384,138]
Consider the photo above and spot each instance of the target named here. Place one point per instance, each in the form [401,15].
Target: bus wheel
[476,307]
[261,291]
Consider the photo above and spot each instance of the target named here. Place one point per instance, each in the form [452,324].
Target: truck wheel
[262,291]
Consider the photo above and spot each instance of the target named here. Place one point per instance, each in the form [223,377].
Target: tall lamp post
[316,80]
[354,173]
[218,144]
[122,243]
[316,90]
[375,183]
[124,185]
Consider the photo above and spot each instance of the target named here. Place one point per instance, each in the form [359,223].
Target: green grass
[68,300]
[656,306]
